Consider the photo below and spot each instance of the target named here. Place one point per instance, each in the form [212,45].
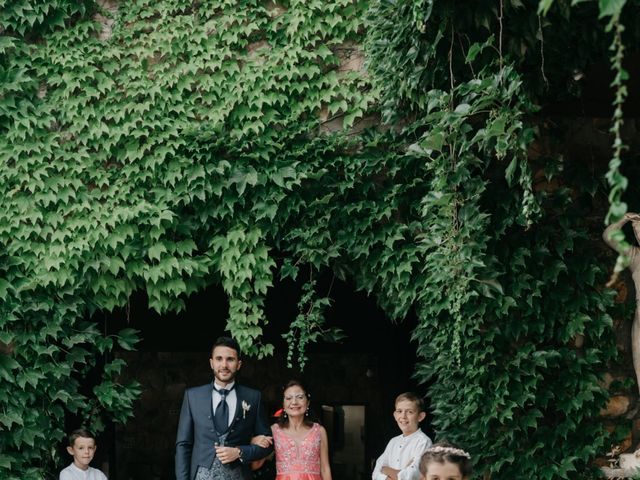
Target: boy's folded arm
[390,472]
[381,463]
[411,469]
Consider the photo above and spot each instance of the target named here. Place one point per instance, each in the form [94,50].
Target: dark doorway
[360,376]
[346,430]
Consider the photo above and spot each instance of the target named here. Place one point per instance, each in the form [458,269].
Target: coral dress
[297,459]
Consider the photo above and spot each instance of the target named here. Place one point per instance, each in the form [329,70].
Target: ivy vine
[170,145]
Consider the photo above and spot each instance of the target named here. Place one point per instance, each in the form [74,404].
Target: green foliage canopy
[186,144]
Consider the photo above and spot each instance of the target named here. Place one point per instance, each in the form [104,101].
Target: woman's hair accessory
[448,450]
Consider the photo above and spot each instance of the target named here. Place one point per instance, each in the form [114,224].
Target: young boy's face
[408,416]
[82,451]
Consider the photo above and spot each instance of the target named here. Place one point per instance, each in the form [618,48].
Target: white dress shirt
[232,399]
[403,453]
[74,473]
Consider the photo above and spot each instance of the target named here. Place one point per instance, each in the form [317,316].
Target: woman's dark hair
[283,419]
[442,452]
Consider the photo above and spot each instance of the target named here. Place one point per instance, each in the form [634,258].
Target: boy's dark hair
[442,452]
[227,342]
[80,433]
[412,397]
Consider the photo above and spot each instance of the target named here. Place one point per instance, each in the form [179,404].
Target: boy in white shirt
[82,447]
[401,459]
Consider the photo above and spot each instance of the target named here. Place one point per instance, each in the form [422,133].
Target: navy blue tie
[221,417]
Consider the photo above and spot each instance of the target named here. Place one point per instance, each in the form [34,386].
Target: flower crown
[448,450]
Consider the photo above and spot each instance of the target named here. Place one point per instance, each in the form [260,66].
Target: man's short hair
[227,342]
[412,397]
[80,433]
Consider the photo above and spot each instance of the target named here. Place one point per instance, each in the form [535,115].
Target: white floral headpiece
[450,450]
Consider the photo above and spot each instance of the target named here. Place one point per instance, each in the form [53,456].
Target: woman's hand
[632,217]
[262,441]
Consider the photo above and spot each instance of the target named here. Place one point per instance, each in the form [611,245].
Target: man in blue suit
[220,418]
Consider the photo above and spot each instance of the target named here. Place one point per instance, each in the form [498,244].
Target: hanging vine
[192,146]
[617,181]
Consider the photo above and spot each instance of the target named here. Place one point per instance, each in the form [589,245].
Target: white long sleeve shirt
[403,453]
[74,473]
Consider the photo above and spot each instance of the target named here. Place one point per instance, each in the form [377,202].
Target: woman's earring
[285,415]
[306,414]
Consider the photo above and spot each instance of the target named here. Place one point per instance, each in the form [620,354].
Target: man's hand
[227,454]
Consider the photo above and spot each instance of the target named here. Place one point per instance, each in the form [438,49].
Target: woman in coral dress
[301,446]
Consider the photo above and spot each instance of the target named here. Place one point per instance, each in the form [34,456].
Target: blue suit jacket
[196,434]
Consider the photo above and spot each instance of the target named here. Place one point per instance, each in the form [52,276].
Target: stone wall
[144,448]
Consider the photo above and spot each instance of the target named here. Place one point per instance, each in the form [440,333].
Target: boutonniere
[245,408]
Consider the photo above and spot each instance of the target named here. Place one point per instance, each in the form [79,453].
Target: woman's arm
[325,469]
[262,440]
[614,227]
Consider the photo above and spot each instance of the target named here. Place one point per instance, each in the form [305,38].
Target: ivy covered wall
[166,145]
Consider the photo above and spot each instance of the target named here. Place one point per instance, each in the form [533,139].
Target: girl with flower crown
[443,461]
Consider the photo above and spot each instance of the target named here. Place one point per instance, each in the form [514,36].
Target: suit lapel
[239,399]
[210,410]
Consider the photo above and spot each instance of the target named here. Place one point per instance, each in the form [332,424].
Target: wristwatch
[239,453]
